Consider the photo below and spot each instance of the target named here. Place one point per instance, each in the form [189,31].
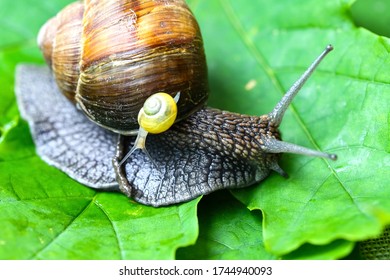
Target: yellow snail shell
[158,113]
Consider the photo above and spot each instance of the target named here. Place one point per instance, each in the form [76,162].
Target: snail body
[108,57]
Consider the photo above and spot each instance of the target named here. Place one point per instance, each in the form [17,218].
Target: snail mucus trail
[205,149]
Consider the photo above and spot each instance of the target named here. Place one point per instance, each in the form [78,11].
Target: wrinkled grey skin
[62,136]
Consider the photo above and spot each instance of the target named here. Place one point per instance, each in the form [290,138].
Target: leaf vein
[115,229]
[56,237]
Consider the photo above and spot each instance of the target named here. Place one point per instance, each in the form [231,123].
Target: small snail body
[108,57]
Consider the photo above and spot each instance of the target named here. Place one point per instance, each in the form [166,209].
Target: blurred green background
[373,15]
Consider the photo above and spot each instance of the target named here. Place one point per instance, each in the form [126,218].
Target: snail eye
[158,113]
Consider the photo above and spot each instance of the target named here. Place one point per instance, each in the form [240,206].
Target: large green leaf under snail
[206,150]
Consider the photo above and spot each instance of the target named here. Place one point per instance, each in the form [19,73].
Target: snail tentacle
[138,144]
[277,146]
[277,113]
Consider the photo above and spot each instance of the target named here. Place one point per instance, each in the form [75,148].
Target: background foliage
[255,50]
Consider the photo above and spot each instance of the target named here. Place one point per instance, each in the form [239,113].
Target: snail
[107,58]
[157,115]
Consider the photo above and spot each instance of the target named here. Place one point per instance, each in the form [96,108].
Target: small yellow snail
[158,113]
[156,116]
[107,58]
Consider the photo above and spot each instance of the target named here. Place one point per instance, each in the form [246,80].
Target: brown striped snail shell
[110,62]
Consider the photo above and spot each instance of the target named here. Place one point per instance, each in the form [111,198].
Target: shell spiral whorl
[158,113]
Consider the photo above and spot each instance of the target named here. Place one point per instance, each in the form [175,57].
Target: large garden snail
[107,58]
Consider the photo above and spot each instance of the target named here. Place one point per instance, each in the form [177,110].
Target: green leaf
[373,15]
[255,51]
[333,250]
[343,109]
[42,219]
[228,230]
[45,214]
